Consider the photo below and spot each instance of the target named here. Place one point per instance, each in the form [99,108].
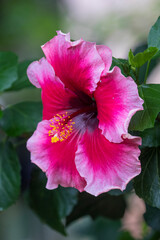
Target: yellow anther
[54,139]
[61,127]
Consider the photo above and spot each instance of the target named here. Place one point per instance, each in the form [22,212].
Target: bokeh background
[25,25]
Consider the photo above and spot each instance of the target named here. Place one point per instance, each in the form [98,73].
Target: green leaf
[100,229]
[152,217]
[21,118]
[142,70]
[154,35]
[150,93]
[151,136]
[8,69]
[104,229]
[22,80]
[130,57]
[147,184]
[9,175]
[141,58]
[67,199]
[104,205]
[123,64]
[50,205]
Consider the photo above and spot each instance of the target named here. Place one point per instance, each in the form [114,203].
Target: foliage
[8,70]
[21,118]
[141,58]
[102,228]
[62,206]
[9,175]
[145,119]
[59,201]
[154,36]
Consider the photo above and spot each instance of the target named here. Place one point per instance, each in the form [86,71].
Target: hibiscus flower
[83,140]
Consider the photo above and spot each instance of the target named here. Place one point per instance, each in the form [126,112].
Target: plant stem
[137,76]
[147,70]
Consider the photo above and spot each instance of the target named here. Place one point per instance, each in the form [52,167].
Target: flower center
[61,127]
[62,124]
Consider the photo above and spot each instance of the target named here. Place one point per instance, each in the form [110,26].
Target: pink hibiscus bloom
[82,141]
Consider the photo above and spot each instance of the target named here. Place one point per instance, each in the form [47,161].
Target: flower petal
[56,159]
[78,64]
[106,165]
[117,101]
[55,97]
[106,55]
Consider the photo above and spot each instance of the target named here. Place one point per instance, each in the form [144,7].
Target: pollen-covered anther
[61,127]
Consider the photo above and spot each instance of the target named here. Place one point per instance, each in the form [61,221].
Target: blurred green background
[25,25]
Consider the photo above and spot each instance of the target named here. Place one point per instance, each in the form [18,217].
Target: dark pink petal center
[87,109]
